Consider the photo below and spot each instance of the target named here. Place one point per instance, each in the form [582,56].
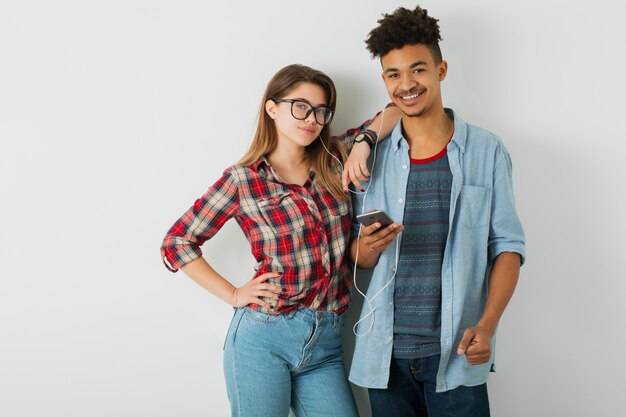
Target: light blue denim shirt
[483,224]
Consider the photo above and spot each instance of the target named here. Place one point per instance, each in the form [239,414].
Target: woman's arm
[355,168]
[200,271]
[181,246]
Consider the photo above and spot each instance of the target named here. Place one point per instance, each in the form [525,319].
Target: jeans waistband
[313,315]
[304,314]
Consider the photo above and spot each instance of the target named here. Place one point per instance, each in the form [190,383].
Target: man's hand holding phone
[374,239]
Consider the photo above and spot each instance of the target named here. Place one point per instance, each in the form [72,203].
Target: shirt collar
[261,166]
[458,138]
[264,168]
[460,130]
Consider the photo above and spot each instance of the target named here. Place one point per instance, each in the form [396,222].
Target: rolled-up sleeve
[202,221]
[505,230]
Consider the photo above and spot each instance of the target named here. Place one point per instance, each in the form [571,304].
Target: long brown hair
[266,137]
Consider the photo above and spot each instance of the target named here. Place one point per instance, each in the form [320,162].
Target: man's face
[412,79]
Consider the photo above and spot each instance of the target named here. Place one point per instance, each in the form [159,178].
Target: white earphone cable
[397,249]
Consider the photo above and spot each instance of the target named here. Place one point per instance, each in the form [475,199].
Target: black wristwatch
[366,136]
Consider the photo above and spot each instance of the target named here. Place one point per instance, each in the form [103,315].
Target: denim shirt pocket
[474,206]
[280,212]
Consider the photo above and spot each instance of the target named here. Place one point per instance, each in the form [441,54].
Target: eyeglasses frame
[312,109]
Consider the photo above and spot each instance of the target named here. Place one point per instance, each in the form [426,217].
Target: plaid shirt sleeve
[201,222]
[347,138]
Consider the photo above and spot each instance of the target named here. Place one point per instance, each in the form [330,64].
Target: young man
[425,342]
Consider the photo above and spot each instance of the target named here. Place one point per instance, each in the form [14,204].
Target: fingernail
[280,273]
[362,189]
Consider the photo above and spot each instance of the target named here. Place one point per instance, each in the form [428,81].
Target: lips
[308,130]
[412,97]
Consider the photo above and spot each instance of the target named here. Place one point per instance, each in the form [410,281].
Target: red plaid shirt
[301,231]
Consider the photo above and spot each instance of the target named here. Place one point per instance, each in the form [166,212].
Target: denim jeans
[411,393]
[274,362]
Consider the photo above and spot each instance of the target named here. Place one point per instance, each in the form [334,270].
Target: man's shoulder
[479,134]
[470,136]
[481,140]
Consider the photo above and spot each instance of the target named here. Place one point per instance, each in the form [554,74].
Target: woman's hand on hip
[251,292]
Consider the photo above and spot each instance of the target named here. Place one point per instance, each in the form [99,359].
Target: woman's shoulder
[240,172]
[235,172]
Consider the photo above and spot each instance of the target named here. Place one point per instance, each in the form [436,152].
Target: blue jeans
[274,362]
[411,393]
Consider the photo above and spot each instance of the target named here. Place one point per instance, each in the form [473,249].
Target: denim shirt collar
[458,138]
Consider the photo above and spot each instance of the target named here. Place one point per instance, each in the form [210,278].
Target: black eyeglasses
[301,109]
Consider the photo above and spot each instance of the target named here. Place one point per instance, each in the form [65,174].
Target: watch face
[362,137]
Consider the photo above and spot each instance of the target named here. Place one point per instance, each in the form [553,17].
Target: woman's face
[298,132]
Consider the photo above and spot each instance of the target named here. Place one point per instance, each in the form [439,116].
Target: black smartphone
[374,216]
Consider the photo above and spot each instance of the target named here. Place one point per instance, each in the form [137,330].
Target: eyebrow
[307,101]
[413,65]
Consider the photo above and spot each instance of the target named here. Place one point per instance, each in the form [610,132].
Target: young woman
[283,347]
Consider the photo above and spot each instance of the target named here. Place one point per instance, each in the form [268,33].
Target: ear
[270,108]
[443,70]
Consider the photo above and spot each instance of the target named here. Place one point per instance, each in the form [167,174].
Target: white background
[116,115]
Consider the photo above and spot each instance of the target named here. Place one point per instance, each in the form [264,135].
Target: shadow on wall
[363,278]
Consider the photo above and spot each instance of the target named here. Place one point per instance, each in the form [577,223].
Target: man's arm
[506,251]
[476,342]
[366,248]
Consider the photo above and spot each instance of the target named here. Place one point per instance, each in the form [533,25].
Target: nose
[407,83]
[310,119]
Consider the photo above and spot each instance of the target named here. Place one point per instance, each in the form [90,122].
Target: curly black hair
[405,27]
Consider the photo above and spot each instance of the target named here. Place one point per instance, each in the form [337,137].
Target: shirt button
[390,338]
[400,200]
[393,269]
[404,167]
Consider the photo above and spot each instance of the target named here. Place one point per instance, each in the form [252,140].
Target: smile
[412,96]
